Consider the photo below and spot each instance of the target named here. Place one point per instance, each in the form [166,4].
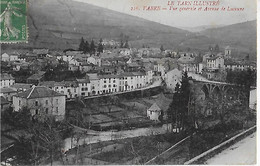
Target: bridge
[220,90]
[211,97]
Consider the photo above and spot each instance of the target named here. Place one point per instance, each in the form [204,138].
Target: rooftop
[154,107]
[38,92]
[21,86]
[6,76]
[7,90]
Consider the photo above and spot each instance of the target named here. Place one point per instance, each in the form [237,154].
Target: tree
[178,110]
[100,46]
[92,47]
[126,45]
[247,57]
[210,48]
[216,48]
[86,47]
[81,45]
[121,44]
[160,118]
[38,139]
[161,48]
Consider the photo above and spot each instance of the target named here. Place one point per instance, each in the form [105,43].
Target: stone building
[41,101]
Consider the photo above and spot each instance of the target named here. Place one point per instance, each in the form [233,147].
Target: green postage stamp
[13,21]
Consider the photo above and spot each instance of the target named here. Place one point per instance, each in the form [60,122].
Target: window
[57,109]
[46,102]
[105,86]
[82,94]
[150,112]
[82,89]
[57,101]
[36,103]
[114,81]
[19,102]
[36,111]
[46,110]
[105,81]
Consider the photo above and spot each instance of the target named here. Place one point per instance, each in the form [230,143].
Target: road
[241,153]
[94,137]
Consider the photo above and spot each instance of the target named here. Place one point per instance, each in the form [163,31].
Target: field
[122,114]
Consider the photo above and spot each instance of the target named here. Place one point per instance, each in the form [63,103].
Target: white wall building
[84,87]
[41,101]
[154,112]
[94,60]
[6,80]
[173,77]
[216,62]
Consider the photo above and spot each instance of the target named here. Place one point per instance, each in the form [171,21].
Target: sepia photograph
[128,82]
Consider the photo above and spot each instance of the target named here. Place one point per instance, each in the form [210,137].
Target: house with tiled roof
[21,86]
[154,112]
[84,86]
[8,93]
[7,58]
[228,51]
[6,80]
[69,88]
[36,78]
[41,101]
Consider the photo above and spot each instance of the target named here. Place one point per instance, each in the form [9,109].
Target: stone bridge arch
[217,94]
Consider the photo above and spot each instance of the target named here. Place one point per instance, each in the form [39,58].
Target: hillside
[241,36]
[59,24]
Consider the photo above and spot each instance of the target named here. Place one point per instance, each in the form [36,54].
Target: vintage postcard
[128,82]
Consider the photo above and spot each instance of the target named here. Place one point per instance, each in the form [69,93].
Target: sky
[183,18]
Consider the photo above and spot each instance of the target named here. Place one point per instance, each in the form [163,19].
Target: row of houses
[94,84]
